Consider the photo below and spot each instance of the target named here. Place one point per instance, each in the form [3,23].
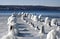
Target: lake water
[37,12]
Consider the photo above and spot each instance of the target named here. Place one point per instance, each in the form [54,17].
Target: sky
[31,2]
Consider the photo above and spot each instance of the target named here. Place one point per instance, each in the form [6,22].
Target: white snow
[26,29]
[10,35]
[47,21]
[52,34]
[53,22]
[11,19]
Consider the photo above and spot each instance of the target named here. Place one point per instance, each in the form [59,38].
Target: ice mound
[47,21]
[10,35]
[53,22]
[52,34]
[11,19]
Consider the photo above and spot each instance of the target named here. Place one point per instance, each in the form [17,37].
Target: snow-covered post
[58,28]
[10,34]
[42,30]
[19,14]
[29,16]
[26,14]
[39,17]
[15,27]
[53,22]
[12,19]
[34,18]
[22,15]
[52,34]
[47,21]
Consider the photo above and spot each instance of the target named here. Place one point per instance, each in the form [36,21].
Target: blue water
[37,12]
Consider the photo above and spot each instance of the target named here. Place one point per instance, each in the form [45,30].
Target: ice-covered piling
[34,18]
[42,30]
[15,27]
[12,19]
[19,14]
[22,17]
[29,16]
[39,17]
[47,21]
[26,14]
[58,28]
[53,22]
[10,35]
[22,13]
[52,34]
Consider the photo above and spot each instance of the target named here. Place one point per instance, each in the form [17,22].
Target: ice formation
[26,14]
[52,34]
[39,17]
[53,22]
[29,16]
[23,16]
[12,22]
[10,35]
[34,23]
[47,21]
[42,30]
[58,28]
[22,13]
[12,19]
[15,27]
[19,14]
[34,18]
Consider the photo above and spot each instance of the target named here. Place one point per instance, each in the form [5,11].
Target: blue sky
[31,2]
